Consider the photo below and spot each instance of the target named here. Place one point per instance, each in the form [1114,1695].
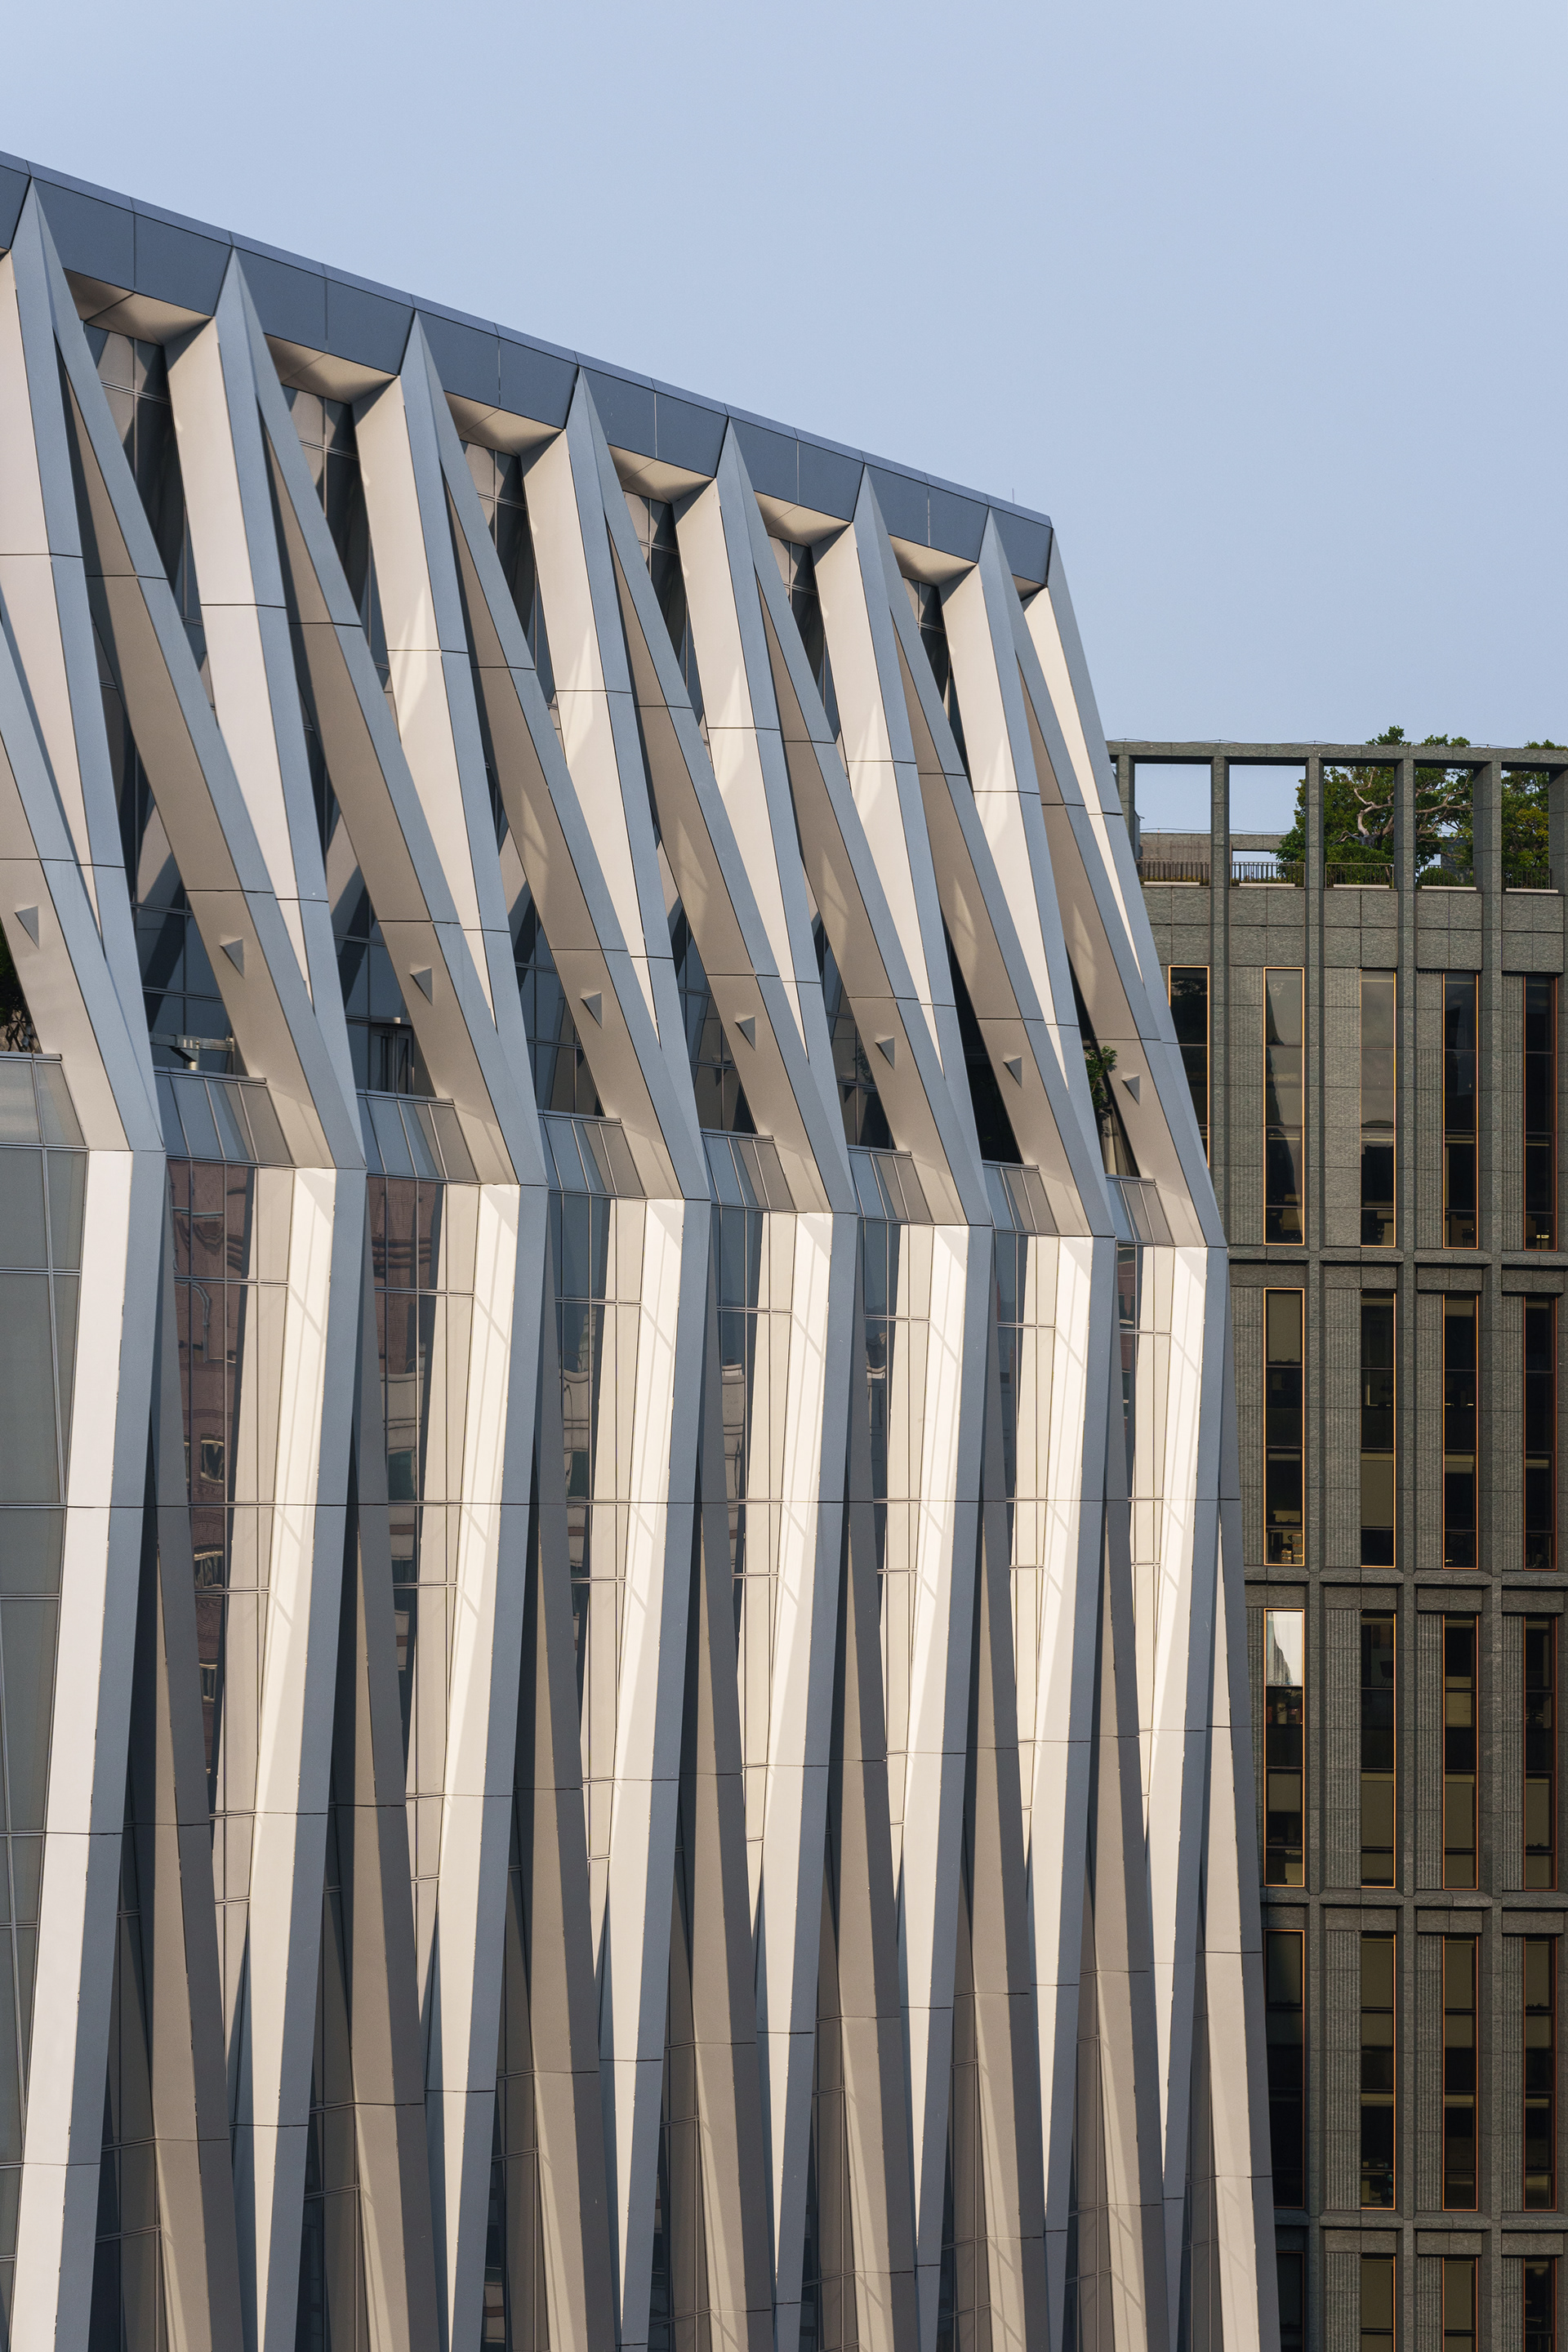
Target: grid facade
[1401,1483]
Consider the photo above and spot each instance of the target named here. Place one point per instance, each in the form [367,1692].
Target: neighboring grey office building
[623,1662]
[1369,1013]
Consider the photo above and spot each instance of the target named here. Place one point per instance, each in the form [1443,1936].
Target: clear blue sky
[1263,304]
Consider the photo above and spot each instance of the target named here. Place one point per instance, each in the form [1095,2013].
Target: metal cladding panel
[366,327]
[684,1637]
[533,383]
[176,265]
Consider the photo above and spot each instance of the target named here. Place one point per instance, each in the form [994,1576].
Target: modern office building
[621,1621]
[1369,1014]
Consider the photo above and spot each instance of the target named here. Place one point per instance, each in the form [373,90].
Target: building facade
[1369,1011]
[621,1632]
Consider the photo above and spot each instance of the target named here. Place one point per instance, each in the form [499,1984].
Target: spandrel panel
[18,1105]
[23,1239]
[27,1640]
[68,1204]
[31,1548]
[29,1461]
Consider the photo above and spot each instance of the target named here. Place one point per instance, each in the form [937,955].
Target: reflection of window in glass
[1540,1110]
[1458,1751]
[1189,993]
[1540,1635]
[1459,1110]
[1377,1440]
[1460,2073]
[1459,1432]
[1539,2284]
[1377,1109]
[1458,2303]
[1540,2074]
[1377,2069]
[1540,1433]
[1284,1530]
[1285,1982]
[1284,1761]
[1290,2271]
[1377,2306]
[1377,1785]
[1283,1217]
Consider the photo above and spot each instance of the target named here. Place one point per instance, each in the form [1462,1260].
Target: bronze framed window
[1540,2074]
[1460,1361]
[1379,997]
[1459,1110]
[1285,1989]
[1377,1429]
[1284,1198]
[1539,1637]
[1458,2073]
[1378,1807]
[1284,1746]
[1460,1751]
[1540,1433]
[1540,1110]
[1377,2071]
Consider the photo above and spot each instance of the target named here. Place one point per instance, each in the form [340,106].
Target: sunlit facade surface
[621,1677]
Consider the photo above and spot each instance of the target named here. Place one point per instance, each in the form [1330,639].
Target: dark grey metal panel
[1429,1791]
[957,525]
[12,190]
[1027,542]
[688,434]
[625,410]
[92,236]
[177,266]
[466,358]
[829,479]
[367,327]
[534,382]
[288,301]
[905,502]
[771,460]
[1342,2302]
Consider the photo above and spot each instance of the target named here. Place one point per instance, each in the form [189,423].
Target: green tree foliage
[1099,1061]
[1358,818]
[16,1024]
